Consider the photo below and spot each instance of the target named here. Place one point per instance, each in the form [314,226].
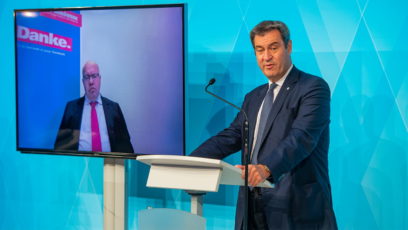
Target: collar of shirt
[282,80]
[99,100]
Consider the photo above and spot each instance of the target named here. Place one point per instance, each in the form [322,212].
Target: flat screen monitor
[100,81]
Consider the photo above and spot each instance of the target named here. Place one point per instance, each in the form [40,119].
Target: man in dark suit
[92,122]
[288,137]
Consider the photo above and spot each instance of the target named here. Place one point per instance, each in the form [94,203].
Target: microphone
[211,82]
[246,149]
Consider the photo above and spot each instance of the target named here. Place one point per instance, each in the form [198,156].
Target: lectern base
[169,219]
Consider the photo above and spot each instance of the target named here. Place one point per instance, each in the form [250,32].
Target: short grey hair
[267,26]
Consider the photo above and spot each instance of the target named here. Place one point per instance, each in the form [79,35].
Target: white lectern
[195,174]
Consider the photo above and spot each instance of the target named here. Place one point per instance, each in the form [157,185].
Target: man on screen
[92,122]
[289,139]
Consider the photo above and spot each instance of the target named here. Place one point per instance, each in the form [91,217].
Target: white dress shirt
[85,137]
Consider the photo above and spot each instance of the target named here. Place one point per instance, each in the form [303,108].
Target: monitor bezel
[90,153]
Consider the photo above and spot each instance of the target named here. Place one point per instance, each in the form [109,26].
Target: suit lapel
[107,110]
[76,121]
[253,112]
[286,88]
[78,114]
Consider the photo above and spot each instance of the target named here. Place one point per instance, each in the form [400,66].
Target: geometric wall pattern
[358,46]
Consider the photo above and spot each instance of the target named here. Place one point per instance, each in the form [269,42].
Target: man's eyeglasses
[89,76]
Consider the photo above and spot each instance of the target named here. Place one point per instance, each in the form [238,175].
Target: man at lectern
[93,122]
[288,137]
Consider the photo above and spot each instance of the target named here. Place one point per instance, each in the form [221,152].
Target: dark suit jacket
[294,147]
[68,134]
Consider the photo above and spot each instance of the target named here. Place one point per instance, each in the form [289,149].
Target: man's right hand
[256,173]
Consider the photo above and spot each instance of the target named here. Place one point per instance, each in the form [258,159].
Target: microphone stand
[246,149]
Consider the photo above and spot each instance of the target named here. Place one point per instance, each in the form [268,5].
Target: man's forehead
[269,38]
[91,68]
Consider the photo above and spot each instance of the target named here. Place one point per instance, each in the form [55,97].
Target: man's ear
[289,46]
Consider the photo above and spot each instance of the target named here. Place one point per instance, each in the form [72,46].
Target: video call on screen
[139,51]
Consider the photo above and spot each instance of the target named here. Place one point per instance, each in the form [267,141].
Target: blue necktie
[266,109]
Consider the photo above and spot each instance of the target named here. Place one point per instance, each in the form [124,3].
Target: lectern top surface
[180,160]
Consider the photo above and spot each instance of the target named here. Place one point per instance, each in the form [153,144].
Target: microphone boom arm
[246,149]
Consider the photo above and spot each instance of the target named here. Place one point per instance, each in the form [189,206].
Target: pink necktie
[96,136]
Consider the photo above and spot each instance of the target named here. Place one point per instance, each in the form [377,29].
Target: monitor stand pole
[114,195]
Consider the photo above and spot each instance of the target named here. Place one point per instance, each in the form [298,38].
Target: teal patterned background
[359,46]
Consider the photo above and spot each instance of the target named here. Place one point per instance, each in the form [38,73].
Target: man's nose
[268,55]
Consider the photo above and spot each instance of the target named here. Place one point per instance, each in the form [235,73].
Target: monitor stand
[114,195]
